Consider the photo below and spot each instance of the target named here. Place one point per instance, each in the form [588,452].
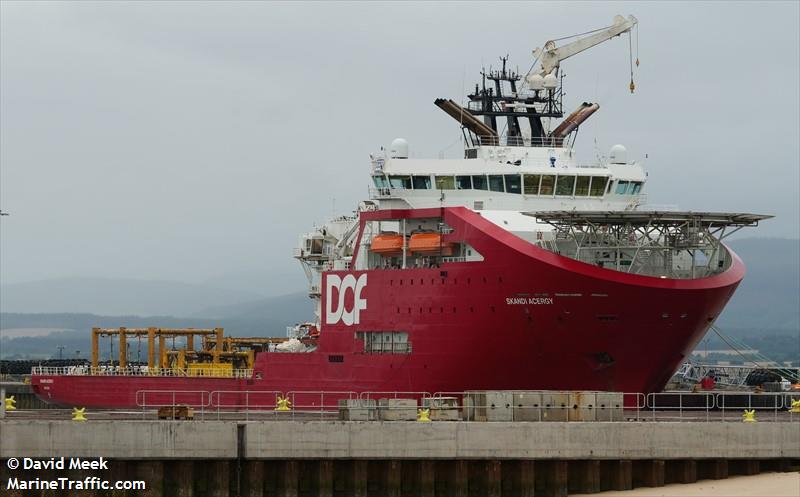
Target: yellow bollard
[749,416]
[423,415]
[78,414]
[283,404]
[795,406]
[10,401]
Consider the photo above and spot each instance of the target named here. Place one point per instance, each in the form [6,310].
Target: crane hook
[632,86]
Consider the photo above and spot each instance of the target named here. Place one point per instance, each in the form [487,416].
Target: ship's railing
[520,405]
[520,141]
[139,371]
[199,399]
[223,402]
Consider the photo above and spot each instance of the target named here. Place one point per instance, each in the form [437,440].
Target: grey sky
[183,141]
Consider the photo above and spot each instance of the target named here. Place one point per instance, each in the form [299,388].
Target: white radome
[398,149]
[618,155]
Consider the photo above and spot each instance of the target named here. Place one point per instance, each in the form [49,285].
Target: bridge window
[598,186]
[496,182]
[421,182]
[400,182]
[582,186]
[479,182]
[380,181]
[548,181]
[513,183]
[463,183]
[622,187]
[445,183]
[531,185]
[637,186]
[565,185]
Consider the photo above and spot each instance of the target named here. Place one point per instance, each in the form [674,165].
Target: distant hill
[116,297]
[266,282]
[266,317]
[296,304]
[769,296]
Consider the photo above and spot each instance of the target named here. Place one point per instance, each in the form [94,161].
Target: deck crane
[490,100]
[551,56]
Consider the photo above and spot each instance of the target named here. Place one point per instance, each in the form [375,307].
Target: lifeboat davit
[387,243]
[429,244]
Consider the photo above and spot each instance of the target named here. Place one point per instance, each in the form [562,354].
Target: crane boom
[551,56]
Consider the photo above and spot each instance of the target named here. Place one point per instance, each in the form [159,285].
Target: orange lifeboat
[387,244]
[429,243]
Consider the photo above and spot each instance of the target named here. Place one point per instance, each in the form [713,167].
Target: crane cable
[586,33]
[632,86]
[735,345]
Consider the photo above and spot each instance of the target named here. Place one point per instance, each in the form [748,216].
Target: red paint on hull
[603,330]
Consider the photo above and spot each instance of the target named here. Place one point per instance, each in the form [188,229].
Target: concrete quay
[294,458]
[397,440]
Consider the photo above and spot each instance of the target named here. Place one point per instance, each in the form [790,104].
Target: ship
[514,267]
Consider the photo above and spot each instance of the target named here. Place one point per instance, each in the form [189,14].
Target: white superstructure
[527,166]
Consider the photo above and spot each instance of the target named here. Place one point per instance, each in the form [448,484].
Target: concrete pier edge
[398,440]
[290,459]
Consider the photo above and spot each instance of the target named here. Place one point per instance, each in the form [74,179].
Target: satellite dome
[550,81]
[535,81]
[398,149]
[618,155]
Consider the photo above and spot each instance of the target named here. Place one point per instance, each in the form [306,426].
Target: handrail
[302,404]
[662,406]
[218,395]
[394,395]
[139,371]
[707,406]
[779,402]
[174,396]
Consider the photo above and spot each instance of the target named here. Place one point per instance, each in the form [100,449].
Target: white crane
[551,56]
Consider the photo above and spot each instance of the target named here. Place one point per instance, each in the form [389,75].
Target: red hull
[522,319]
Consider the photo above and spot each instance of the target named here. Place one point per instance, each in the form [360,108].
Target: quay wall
[396,459]
[397,440]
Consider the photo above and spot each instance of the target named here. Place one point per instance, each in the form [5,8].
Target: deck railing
[626,407]
[210,372]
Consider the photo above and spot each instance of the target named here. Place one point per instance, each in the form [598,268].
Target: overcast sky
[188,140]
